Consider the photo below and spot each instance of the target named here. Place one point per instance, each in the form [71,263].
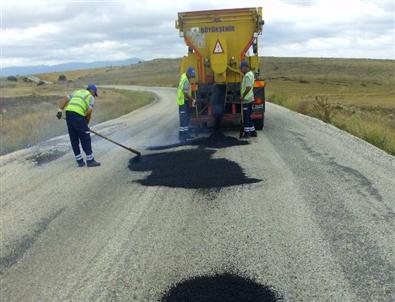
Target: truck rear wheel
[258,124]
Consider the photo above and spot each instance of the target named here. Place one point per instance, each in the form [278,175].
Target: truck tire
[258,124]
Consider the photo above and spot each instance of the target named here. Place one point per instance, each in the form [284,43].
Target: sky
[53,32]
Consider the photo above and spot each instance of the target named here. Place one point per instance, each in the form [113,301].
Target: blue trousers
[247,111]
[184,118]
[79,132]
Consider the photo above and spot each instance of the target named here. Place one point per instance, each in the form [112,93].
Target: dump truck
[217,41]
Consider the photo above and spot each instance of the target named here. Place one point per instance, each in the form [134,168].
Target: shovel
[116,143]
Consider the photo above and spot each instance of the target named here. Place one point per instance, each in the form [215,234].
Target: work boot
[188,136]
[253,133]
[92,163]
[245,134]
[80,163]
[183,137]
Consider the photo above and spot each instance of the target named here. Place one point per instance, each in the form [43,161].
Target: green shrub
[324,109]
[12,78]
[62,78]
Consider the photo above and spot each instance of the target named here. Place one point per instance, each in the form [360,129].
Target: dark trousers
[79,132]
[184,118]
[247,111]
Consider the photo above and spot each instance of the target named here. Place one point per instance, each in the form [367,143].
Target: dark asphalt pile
[220,288]
[216,140]
[191,169]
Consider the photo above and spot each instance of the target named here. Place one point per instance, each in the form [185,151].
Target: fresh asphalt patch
[221,288]
[193,168]
[190,169]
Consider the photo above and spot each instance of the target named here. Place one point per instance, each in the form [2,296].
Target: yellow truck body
[217,41]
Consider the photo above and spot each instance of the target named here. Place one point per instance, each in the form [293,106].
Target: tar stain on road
[46,157]
[193,168]
[221,288]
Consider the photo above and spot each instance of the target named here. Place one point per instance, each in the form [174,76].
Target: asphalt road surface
[304,212]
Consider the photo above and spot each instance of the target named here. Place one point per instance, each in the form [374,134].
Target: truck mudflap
[257,116]
[227,117]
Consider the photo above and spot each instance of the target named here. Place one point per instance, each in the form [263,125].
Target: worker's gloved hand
[59,115]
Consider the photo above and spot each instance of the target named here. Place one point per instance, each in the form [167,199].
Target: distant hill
[28,70]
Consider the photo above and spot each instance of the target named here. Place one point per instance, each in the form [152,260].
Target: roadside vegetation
[28,111]
[357,96]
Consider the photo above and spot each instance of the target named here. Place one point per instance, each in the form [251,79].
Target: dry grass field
[158,72]
[28,111]
[356,95]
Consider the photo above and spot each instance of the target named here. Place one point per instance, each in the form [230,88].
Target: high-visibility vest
[250,95]
[79,102]
[180,90]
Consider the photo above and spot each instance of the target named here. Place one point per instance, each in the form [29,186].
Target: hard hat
[93,88]
[191,72]
[244,64]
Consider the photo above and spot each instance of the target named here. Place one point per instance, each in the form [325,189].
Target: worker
[79,108]
[184,94]
[246,99]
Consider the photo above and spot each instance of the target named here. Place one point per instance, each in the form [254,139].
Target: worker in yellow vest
[79,108]
[246,99]
[184,94]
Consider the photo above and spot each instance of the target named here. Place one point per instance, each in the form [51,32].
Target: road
[304,212]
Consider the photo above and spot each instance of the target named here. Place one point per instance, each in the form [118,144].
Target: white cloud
[326,43]
[372,41]
[323,12]
[91,51]
[59,31]
[21,36]
[334,28]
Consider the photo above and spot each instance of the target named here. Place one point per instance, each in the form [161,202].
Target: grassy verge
[374,126]
[29,119]
[355,95]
